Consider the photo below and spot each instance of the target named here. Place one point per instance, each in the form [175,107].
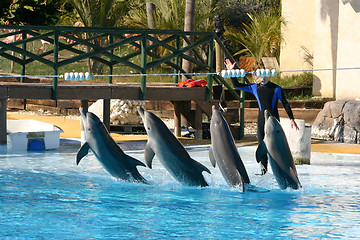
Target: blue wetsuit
[267,96]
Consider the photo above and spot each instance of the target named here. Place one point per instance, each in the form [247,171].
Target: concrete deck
[71,128]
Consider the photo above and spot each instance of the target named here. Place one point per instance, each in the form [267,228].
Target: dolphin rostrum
[276,146]
[223,151]
[171,153]
[112,158]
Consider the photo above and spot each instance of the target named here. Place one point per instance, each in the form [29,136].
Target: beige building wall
[348,52]
[325,51]
[298,43]
[329,30]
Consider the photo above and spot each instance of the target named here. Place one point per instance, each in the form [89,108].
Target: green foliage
[170,14]
[302,80]
[30,12]
[235,12]
[260,38]
[101,13]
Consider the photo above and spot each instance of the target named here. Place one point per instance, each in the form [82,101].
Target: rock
[338,121]
[122,112]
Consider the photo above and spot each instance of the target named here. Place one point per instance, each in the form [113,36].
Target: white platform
[299,140]
[21,132]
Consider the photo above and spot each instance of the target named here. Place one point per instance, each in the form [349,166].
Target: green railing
[153,47]
[101,43]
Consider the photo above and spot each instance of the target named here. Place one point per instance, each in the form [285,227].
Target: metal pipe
[56,66]
[3,126]
[143,66]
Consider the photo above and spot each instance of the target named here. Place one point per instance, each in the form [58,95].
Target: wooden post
[177,119]
[198,122]
[3,126]
[85,106]
[106,114]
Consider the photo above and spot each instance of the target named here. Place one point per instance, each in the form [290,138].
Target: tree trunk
[189,25]
[150,10]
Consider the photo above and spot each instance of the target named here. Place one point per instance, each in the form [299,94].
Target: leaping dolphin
[171,153]
[112,158]
[223,151]
[276,146]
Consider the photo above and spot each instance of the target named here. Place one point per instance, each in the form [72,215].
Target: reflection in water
[45,195]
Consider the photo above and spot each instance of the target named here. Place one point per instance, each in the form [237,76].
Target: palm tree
[170,14]
[189,25]
[260,38]
[100,13]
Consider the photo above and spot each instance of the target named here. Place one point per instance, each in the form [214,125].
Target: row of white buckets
[32,135]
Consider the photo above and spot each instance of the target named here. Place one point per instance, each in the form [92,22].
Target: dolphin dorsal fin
[149,155]
[261,151]
[201,167]
[83,151]
[212,157]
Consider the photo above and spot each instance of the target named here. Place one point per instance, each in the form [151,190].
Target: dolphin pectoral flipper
[201,167]
[149,155]
[261,151]
[83,151]
[212,157]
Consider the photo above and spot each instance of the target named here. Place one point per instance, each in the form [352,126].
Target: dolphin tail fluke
[212,158]
[295,178]
[141,179]
[134,172]
[149,155]
[261,151]
[83,151]
[201,167]
[134,162]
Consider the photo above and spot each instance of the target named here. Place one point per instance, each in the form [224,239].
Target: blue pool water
[44,195]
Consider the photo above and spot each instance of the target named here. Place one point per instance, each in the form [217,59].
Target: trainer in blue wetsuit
[267,95]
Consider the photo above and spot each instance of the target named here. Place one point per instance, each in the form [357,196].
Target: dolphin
[170,152]
[223,151]
[276,146]
[112,158]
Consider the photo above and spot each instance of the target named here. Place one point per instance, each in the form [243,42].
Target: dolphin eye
[277,131]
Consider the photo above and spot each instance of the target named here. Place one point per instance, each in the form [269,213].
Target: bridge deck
[93,91]
[90,91]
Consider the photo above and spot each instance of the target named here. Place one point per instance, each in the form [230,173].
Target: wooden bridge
[101,45]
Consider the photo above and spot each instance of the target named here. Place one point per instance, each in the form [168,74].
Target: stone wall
[338,121]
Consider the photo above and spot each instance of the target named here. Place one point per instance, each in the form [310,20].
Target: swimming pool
[44,195]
